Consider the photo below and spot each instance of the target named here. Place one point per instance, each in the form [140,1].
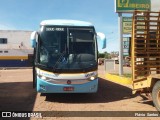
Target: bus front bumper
[46,87]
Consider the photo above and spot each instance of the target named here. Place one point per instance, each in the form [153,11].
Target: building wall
[15,39]
[15,52]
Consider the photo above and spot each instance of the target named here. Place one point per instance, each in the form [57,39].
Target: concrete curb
[118,79]
[14,68]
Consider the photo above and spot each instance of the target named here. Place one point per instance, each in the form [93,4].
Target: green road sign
[127,25]
[131,5]
[126,45]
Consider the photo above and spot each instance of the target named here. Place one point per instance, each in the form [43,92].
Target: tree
[101,55]
[104,55]
[107,55]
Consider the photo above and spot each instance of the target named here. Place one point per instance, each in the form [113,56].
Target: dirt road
[16,94]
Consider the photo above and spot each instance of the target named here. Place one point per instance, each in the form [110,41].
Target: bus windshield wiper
[59,59]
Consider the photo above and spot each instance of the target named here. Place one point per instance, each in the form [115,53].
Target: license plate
[68,89]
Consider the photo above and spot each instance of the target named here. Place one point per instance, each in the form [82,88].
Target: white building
[14,48]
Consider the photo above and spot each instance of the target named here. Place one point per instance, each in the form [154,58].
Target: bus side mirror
[33,39]
[102,38]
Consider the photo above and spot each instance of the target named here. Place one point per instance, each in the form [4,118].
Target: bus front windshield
[68,49]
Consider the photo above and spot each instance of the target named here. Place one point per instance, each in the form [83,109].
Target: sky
[27,15]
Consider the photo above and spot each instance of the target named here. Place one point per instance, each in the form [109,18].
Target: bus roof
[66,23]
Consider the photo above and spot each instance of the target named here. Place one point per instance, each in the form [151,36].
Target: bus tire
[156,95]
[34,78]
[34,70]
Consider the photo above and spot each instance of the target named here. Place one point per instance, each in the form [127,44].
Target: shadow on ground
[107,92]
[146,100]
[17,96]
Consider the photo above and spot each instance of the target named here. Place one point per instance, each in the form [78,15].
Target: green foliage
[107,55]
[101,55]
[127,75]
[104,55]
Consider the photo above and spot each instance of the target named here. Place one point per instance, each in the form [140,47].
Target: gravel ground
[17,95]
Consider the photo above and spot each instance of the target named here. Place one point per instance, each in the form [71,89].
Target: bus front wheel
[34,78]
[156,95]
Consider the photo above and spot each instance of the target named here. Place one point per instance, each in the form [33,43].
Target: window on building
[1,51]
[3,40]
[5,51]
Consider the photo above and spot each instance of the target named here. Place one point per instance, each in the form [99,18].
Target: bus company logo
[51,75]
[123,3]
[89,74]
[134,4]
[6,114]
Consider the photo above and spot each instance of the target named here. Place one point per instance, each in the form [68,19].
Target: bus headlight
[43,78]
[92,78]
